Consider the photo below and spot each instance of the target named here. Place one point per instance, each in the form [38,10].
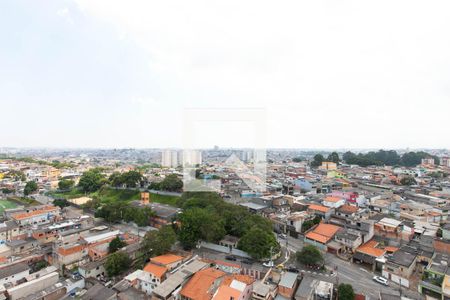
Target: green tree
[30,187]
[317,161]
[116,244]
[117,263]
[7,191]
[115,179]
[200,224]
[298,159]
[66,184]
[334,157]
[408,180]
[91,180]
[61,203]
[258,243]
[158,242]
[171,183]
[310,223]
[132,178]
[309,255]
[345,292]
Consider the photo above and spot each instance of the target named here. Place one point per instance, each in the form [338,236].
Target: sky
[323,74]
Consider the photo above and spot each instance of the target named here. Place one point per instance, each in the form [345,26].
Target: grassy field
[170,200]
[5,204]
[108,195]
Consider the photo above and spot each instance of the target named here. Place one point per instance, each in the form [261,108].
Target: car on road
[229,257]
[268,264]
[381,280]
[247,261]
[282,236]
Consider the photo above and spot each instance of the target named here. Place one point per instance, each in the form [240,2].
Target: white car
[381,280]
[268,264]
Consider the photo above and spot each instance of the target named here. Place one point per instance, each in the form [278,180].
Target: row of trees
[130,179]
[118,211]
[170,183]
[93,179]
[378,158]
[319,158]
[207,217]
[388,158]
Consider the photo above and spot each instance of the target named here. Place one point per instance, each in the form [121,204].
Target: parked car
[293,270]
[268,264]
[229,257]
[282,236]
[381,280]
[247,261]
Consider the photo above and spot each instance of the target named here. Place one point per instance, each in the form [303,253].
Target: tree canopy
[317,161]
[158,242]
[334,157]
[117,263]
[66,184]
[118,211]
[388,158]
[345,292]
[30,187]
[207,217]
[91,181]
[309,255]
[170,183]
[259,243]
[408,180]
[116,244]
[130,179]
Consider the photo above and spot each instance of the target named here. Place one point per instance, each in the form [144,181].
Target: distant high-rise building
[192,157]
[247,155]
[445,161]
[169,158]
[428,161]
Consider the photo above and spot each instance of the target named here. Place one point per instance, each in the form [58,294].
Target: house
[42,214]
[9,230]
[320,210]
[393,229]
[349,240]
[287,285]
[264,290]
[33,286]
[169,261]
[436,280]
[369,253]
[202,285]
[94,269]
[152,276]
[400,266]
[328,165]
[312,289]
[171,286]
[347,211]
[13,273]
[237,287]
[320,235]
[229,241]
[99,292]
[333,202]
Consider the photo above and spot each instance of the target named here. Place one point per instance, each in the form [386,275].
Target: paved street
[358,277]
